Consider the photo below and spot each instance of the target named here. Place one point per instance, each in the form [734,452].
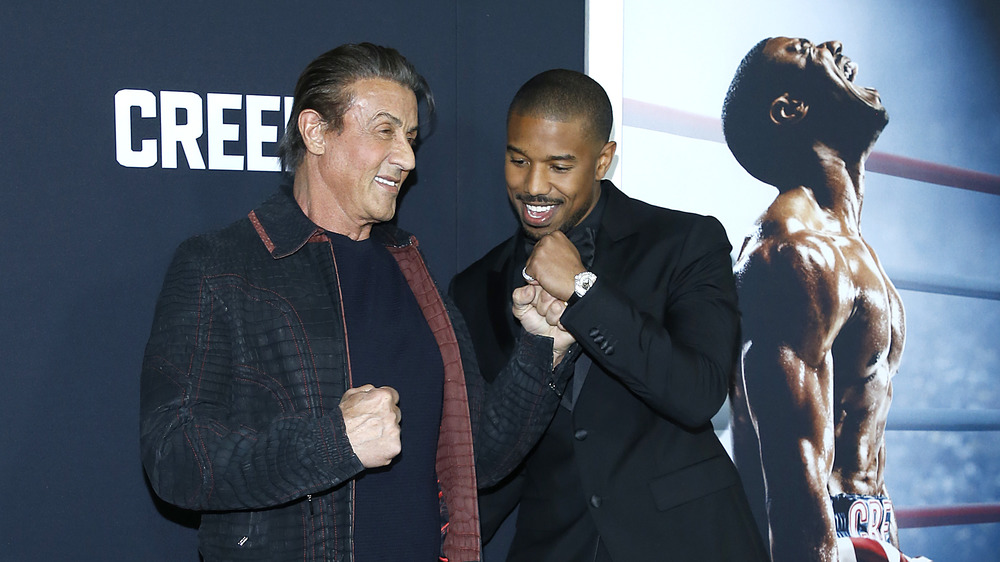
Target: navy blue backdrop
[86,240]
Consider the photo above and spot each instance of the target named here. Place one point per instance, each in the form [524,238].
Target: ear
[788,110]
[604,159]
[312,126]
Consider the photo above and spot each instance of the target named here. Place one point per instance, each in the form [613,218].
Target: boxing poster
[863,218]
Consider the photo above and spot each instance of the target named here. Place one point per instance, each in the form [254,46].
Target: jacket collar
[285,229]
[615,222]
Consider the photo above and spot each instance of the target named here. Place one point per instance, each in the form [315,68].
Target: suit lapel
[612,248]
[612,251]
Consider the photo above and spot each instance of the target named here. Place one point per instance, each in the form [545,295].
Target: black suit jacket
[661,326]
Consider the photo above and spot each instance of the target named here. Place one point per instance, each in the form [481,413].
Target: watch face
[584,281]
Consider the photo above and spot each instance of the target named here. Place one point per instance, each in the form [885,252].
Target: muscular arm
[790,401]
[198,451]
[792,310]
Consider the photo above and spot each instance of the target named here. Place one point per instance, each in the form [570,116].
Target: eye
[518,161]
[561,169]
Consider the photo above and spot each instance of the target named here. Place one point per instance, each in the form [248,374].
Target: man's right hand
[372,419]
[539,313]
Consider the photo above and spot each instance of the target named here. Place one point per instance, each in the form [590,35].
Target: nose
[402,155]
[535,183]
[835,47]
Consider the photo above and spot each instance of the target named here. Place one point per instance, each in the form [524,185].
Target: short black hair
[325,86]
[753,139]
[561,95]
[758,145]
[783,155]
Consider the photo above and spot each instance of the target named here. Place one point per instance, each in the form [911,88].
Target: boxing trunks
[863,528]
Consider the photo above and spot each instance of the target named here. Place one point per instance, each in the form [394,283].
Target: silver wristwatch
[582,283]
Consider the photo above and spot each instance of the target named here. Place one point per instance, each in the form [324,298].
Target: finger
[527,276]
[523,296]
[358,389]
[554,244]
[544,310]
[545,301]
[392,392]
[558,236]
[353,395]
[547,298]
[554,313]
[380,400]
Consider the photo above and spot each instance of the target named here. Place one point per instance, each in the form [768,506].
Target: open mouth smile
[538,214]
[538,211]
[391,184]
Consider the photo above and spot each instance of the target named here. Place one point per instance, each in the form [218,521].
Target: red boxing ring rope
[942,515]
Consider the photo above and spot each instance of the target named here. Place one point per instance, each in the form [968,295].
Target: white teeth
[851,70]
[385,182]
[538,209]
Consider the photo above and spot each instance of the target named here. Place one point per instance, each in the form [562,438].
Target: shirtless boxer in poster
[823,326]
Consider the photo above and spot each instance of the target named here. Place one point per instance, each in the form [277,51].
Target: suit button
[598,339]
[609,350]
[580,434]
[595,501]
[594,332]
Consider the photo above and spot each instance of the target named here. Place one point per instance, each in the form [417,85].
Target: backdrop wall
[95,200]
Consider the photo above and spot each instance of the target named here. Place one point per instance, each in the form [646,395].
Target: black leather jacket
[241,385]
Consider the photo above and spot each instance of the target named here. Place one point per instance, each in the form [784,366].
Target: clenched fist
[372,419]
[554,262]
[539,313]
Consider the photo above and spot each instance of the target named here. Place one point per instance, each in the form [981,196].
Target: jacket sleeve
[678,360]
[510,414]
[197,451]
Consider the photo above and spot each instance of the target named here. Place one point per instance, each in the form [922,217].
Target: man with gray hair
[286,347]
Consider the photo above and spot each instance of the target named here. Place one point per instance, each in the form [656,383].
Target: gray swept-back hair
[325,86]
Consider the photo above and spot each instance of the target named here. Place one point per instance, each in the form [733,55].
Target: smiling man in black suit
[630,467]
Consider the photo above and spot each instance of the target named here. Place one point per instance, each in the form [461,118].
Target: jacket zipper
[350,383]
